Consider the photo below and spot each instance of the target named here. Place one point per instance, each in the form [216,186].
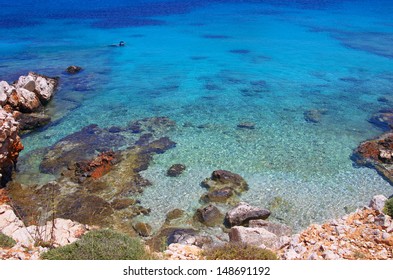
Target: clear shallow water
[216,64]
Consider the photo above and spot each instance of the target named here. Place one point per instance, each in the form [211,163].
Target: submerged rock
[383,119]
[160,125]
[243,213]
[32,121]
[79,146]
[143,229]
[175,170]
[247,125]
[223,178]
[314,116]
[223,187]
[209,215]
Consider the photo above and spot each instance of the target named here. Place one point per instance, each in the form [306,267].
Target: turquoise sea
[210,65]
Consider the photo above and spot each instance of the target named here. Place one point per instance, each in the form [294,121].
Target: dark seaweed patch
[212,36]
[240,51]
[126,22]
[198,57]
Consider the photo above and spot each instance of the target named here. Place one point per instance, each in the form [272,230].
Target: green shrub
[6,242]
[101,245]
[388,209]
[239,251]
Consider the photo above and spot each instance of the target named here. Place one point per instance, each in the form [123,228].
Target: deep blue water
[216,64]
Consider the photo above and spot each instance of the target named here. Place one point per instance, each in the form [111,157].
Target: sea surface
[210,65]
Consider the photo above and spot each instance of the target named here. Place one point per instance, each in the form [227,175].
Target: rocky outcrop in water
[10,146]
[223,187]
[377,153]
[73,69]
[243,213]
[28,93]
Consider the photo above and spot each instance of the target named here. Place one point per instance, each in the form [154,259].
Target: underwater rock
[73,69]
[122,203]
[97,167]
[174,214]
[314,116]
[115,129]
[79,146]
[222,195]
[223,187]
[243,213]
[383,119]
[175,170]
[32,121]
[223,178]
[86,209]
[143,229]
[209,215]
[156,125]
[159,146]
[10,146]
[247,125]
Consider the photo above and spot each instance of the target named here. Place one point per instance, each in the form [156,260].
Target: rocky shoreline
[98,180]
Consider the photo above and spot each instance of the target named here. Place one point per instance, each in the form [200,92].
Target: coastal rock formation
[10,146]
[58,232]
[41,85]
[364,234]
[253,236]
[28,93]
[176,251]
[377,153]
[243,213]
[278,229]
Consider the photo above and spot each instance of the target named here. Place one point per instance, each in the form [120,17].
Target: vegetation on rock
[101,245]
[239,251]
[6,242]
[388,209]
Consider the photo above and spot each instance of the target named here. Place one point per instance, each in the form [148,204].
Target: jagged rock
[253,236]
[143,229]
[73,69]
[383,119]
[24,100]
[41,85]
[378,202]
[277,229]
[209,215]
[243,213]
[10,145]
[175,170]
